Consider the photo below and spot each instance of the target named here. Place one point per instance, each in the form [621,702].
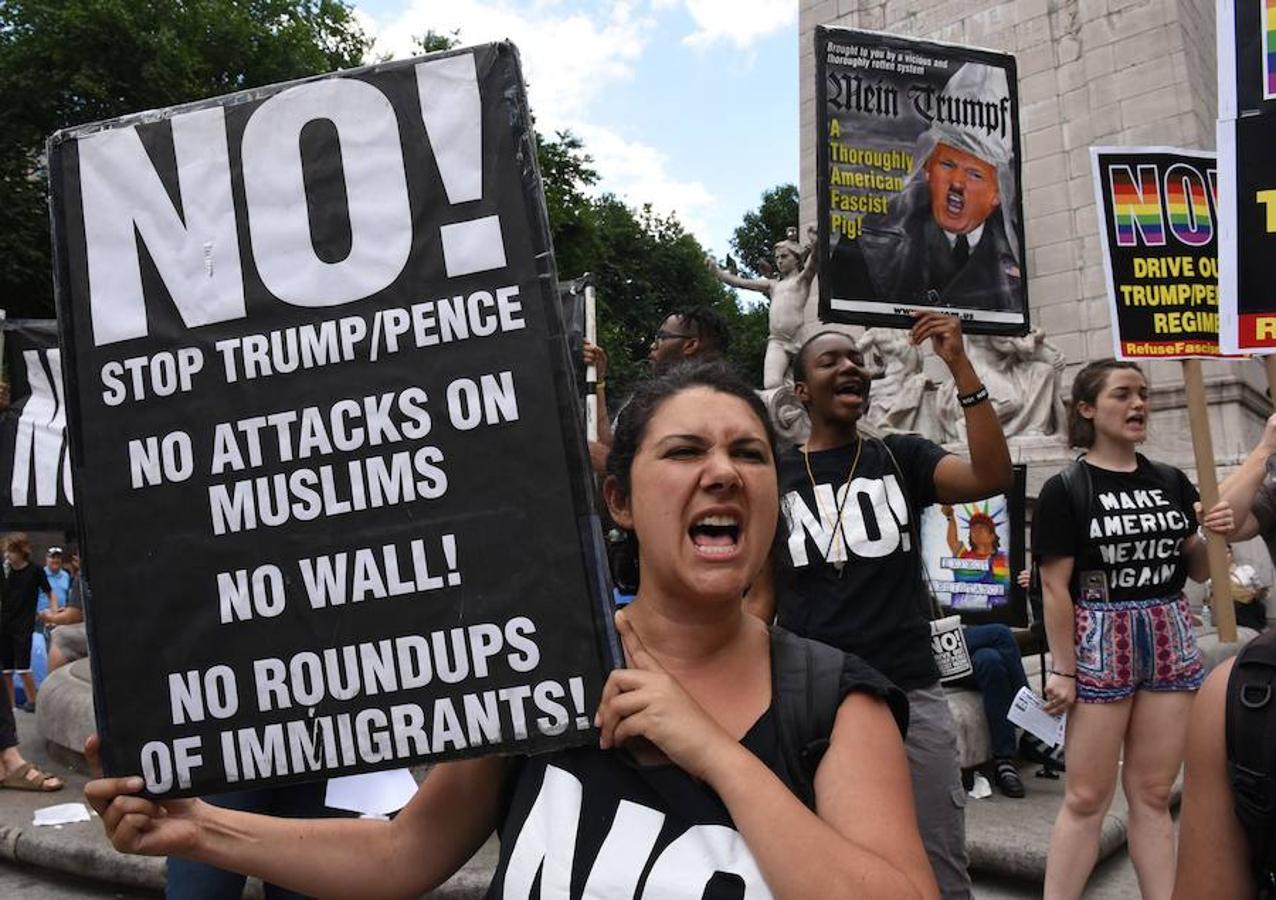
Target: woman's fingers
[101,791]
[93,753]
[621,695]
[635,650]
[122,807]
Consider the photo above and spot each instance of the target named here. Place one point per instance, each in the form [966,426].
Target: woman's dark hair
[1086,388]
[631,426]
[799,359]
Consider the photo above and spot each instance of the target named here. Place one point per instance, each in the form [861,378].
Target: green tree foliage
[758,233]
[645,266]
[432,41]
[67,62]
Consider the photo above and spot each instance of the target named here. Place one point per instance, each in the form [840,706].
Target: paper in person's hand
[1028,711]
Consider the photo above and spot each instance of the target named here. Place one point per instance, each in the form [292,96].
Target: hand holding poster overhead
[918,182]
[332,488]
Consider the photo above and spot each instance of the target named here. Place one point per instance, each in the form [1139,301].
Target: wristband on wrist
[974,398]
[1073,676]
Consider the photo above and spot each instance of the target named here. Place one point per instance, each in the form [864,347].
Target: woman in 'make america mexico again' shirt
[1124,658]
[687,794]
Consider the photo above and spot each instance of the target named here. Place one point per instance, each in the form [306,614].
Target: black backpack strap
[806,679]
[1251,752]
[1076,481]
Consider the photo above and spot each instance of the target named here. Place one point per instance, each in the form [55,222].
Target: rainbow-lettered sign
[1268,32]
[1158,222]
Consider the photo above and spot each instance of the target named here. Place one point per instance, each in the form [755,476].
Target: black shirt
[594,819]
[1132,539]
[19,593]
[875,605]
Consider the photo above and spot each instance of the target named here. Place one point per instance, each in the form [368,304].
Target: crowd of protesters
[724,524]
[745,553]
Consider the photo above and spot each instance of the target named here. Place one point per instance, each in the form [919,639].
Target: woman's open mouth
[716,535]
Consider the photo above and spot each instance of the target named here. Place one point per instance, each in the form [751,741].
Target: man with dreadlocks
[993,652]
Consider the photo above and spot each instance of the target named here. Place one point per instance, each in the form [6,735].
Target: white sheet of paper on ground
[981,789]
[61,814]
[376,793]
[1028,711]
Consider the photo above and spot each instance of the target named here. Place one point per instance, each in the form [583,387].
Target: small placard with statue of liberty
[972,554]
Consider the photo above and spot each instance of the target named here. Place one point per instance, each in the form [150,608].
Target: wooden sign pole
[1270,362]
[1207,481]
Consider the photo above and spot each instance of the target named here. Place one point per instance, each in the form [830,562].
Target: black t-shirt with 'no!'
[847,570]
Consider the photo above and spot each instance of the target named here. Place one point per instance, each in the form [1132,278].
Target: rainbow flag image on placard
[1269,48]
[1188,206]
[1136,206]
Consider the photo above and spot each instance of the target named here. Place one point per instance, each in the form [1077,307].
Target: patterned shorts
[1135,645]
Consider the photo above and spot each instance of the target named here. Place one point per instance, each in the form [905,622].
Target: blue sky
[690,105]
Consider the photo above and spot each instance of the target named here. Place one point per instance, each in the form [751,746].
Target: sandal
[27,777]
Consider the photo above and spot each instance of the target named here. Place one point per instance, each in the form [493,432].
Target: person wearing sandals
[1115,537]
[15,772]
[847,571]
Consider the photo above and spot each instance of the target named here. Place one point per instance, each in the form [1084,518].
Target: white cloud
[570,60]
[639,173]
[739,21]
[568,57]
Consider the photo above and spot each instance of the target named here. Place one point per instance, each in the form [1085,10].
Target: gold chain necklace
[837,525]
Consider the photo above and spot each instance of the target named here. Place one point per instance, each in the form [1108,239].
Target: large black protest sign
[1246,58]
[1247,234]
[917,175]
[35,464]
[330,473]
[1246,175]
[1157,217]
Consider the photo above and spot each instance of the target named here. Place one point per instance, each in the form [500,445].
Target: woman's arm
[1221,520]
[988,471]
[1061,632]
[66,615]
[1242,486]
[1213,851]
[863,843]
[452,814]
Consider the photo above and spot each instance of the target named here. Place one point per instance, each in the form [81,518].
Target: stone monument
[1091,72]
[788,295]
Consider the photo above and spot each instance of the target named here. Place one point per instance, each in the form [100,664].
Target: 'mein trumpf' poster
[917,177]
[331,483]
